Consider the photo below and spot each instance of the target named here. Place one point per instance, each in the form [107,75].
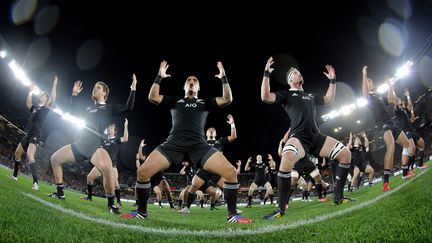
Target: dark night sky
[192,37]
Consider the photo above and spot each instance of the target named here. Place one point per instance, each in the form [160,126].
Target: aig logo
[194,105]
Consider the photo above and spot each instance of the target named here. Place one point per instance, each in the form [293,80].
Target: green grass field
[402,214]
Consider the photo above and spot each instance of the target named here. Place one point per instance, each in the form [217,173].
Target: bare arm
[125,137]
[331,91]
[141,155]
[183,170]
[391,96]
[29,100]
[226,98]
[154,96]
[349,144]
[267,96]
[233,135]
[238,166]
[410,106]
[365,86]
[247,167]
[137,161]
[366,143]
[53,95]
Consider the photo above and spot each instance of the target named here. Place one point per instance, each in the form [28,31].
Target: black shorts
[361,165]
[260,183]
[207,176]
[415,136]
[176,153]
[392,126]
[304,167]
[28,139]
[157,178]
[312,143]
[85,147]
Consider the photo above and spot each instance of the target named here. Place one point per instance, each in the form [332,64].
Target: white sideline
[224,232]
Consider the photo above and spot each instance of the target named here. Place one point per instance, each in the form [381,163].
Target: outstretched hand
[238,162]
[134,83]
[331,74]
[364,70]
[221,71]
[126,122]
[163,68]
[77,88]
[55,80]
[230,119]
[142,144]
[269,63]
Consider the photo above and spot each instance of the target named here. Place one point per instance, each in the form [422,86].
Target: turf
[404,215]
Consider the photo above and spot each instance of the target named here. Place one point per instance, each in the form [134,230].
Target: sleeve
[169,101]
[120,109]
[281,96]
[118,140]
[319,99]
[32,108]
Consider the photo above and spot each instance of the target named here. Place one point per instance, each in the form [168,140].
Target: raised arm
[77,88]
[233,135]
[410,106]
[267,96]
[122,109]
[125,137]
[29,100]
[391,96]
[247,167]
[154,96]
[53,95]
[365,81]
[272,163]
[183,170]
[226,98]
[349,144]
[366,141]
[141,155]
[238,170]
[331,91]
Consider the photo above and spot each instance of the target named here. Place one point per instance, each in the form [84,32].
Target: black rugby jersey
[300,107]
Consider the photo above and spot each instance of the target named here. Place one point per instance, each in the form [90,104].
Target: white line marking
[225,232]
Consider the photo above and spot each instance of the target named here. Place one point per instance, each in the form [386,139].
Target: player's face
[112,130]
[211,133]
[43,99]
[295,78]
[192,85]
[98,92]
[259,159]
[357,141]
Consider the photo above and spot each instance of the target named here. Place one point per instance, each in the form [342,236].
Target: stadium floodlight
[80,123]
[361,102]
[19,73]
[336,130]
[3,54]
[36,91]
[358,121]
[404,70]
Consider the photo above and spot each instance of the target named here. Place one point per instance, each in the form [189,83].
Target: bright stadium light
[36,91]
[404,70]
[358,121]
[19,73]
[361,102]
[3,54]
